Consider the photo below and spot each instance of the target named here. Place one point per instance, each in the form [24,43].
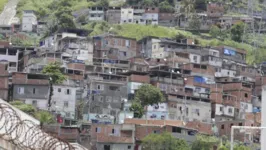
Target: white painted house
[29,21]
[64,99]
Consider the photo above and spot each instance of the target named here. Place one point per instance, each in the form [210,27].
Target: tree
[237,31]
[148,95]
[137,109]
[166,7]
[56,77]
[164,141]
[215,31]
[204,142]
[188,6]
[103,3]
[44,117]
[53,71]
[194,23]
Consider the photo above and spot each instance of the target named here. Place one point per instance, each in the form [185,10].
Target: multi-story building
[4,80]
[12,55]
[33,89]
[116,47]
[167,19]
[113,137]
[113,15]
[127,15]
[65,98]
[29,21]
[107,93]
[96,14]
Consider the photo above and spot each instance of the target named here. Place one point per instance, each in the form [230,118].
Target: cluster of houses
[207,89]
[214,15]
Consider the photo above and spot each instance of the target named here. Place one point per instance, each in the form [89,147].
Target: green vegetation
[164,141]
[53,71]
[56,77]
[29,109]
[2,4]
[146,95]
[205,142]
[43,116]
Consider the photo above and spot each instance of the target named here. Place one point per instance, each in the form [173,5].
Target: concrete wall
[26,93]
[224,110]
[127,15]
[132,86]
[178,110]
[116,146]
[197,60]
[109,99]
[63,101]
[28,22]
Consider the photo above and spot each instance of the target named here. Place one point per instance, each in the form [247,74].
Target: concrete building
[65,98]
[4,81]
[167,19]
[33,89]
[96,14]
[189,108]
[127,15]
[151,15]
[12,55]
[106,94]
[116,47]
[29,21]
[113,15]
[113,137]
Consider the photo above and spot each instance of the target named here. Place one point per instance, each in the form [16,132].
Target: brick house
[116,47]
[113,137]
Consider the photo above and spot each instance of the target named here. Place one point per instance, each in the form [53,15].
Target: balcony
[12,69]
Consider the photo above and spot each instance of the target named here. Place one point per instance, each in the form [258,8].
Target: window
[100,87]
[222,126]
[221,108]
[127,43]
[154,46]
[116,42]
[113,131]
[246,95]
[240,124]
[92,15]
[156,131]
[231,125]
[33,90]
[129,20]
[65,104]
[129,147]
[59,90]
[176,130]
[195,58]
[230,110]
[98,129]
[68,91]
[113,88]
[20,90]
[187,111]
[34,103]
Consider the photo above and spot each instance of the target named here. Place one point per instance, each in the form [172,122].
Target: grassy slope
[2,4]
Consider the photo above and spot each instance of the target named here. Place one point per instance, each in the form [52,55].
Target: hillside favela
[132,74]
